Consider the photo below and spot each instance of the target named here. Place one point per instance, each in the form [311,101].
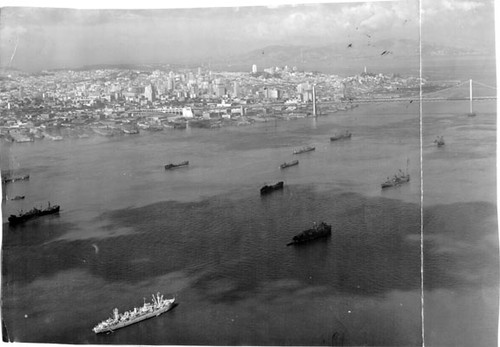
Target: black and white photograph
[309,173]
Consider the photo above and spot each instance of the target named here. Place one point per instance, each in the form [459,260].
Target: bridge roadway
[375,100]
[354,101]
[477,98]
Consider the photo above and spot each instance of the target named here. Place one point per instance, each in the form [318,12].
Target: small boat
[148,310]
[271,188]
[317,231]
[173,166]
[8,179]
[292,163]
[346,135]
[17,197]
[304,149]
[396,181]
[439,141]
[33,213]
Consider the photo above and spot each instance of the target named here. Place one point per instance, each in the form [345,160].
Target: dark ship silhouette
[173,166]
[33,213]
[271,188]
[318,230]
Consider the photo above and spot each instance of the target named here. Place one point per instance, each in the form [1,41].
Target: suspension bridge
[476,91]
[451,93]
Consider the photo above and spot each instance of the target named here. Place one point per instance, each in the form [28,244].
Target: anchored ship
[173,166]
[33,213]
[398,179]
[346,135]
[9,179]
[292,163]
[271,188]
[148,310]
[318,230]
[304,149]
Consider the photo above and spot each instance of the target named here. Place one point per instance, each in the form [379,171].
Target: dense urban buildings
[79,103]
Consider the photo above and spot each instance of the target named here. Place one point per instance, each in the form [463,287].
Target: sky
[33,38]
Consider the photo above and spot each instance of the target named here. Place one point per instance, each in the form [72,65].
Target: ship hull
[174,166]
[340,137]
[309,239]
[14,220]
[324,230]
[304,150]
[14,179]
[136,320]
[269,189]
[285,165]
[394,183]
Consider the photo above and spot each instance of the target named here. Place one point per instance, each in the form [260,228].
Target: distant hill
[341,57]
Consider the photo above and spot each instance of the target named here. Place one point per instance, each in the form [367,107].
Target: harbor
[189,233]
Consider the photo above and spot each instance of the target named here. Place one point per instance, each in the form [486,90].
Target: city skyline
[43,38]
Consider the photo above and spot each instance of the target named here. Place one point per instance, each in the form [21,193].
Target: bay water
[128,229]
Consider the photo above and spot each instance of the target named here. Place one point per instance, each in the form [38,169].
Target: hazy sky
[51,37]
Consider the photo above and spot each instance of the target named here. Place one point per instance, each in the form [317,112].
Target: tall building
[236,89]
[149,93]
[307,96]
[254,68]
[220,90]
[273,93]
[303,87]
[265,93]
[170,83]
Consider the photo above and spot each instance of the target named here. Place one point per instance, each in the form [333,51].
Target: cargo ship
[292,163]
[138,314]
[9,179]
[317,231]
[33,213]
[346,135]
[304,149]
[271,188]
[397,180]
[173,166]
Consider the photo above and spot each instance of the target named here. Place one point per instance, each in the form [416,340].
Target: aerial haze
[42,38]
